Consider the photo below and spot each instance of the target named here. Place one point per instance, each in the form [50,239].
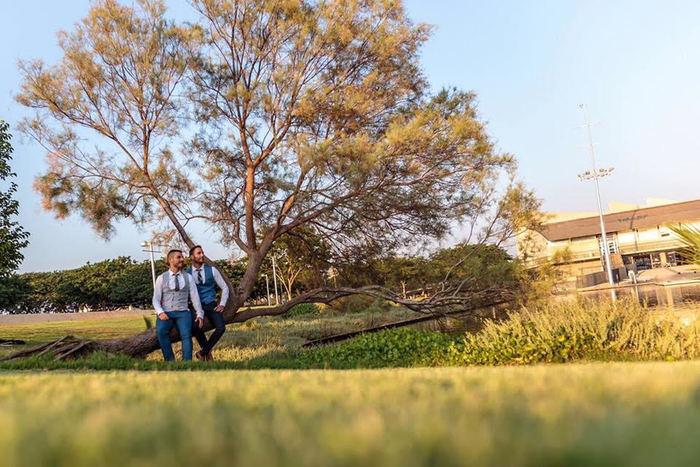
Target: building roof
[641,218]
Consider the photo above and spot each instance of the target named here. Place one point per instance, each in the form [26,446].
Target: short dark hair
[170,252]
[194,248]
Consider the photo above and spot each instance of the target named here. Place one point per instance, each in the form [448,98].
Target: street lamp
[274,278]
[267,286]
[148,248]
[595,174]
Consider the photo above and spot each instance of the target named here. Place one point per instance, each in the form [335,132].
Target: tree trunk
[140,345]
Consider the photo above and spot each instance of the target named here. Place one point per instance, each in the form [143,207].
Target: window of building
[675,258]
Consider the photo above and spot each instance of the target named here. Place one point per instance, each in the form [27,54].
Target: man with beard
[171,293]
[207,279]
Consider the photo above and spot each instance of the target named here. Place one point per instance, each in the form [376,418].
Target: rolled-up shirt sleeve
[222,285]
[157,295]
[194,297]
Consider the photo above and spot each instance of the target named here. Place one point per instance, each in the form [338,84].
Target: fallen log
[60,349]
[398,324]
[12,342]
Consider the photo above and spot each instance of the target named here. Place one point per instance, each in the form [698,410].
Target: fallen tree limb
[12,342]
[33,350]
[396,324]
[66,346]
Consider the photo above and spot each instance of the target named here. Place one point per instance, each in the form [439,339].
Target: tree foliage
[689,235]
[109,284]
[482,266]
[12,236]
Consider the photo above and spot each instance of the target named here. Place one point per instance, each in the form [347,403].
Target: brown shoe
[200,356]
[209,357]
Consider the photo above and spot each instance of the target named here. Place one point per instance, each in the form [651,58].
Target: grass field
[608,413]
[633,414]
[241,342]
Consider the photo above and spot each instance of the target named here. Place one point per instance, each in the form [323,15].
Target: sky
[634,64]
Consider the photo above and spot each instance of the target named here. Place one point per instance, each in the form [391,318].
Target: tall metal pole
[274,279]
[153,264]
[606,249]
[267,286]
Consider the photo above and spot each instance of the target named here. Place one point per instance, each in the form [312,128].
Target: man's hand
[219,309]
[199,321]
[163,316]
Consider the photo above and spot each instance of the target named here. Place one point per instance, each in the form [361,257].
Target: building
[639,238]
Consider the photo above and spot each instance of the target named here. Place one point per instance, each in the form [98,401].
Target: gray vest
[172,300]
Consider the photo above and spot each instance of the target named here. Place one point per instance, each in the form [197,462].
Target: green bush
[393,348]
[303,309]
[583,330]
[548,333]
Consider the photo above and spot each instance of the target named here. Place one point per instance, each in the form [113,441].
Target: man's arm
[194,296]
[158,295]
[222,285]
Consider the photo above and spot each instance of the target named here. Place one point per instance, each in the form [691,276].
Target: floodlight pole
[267,287]
[149,245]
[274,278]
[596,174]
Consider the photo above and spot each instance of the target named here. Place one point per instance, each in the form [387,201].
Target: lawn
[607,413]
[633,414]
[241,342]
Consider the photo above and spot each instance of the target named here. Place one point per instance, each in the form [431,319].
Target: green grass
[105,328]
[545,333]
[253,339]
[636,414]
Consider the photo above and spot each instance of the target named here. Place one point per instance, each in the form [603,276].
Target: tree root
[65,348]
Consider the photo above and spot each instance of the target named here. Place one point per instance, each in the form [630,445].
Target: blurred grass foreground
[636,414]
[615,401]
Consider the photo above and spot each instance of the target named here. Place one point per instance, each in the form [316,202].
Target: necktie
[199,276]
[177,283]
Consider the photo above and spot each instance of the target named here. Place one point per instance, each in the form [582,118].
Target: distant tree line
[110,284]
[123,282]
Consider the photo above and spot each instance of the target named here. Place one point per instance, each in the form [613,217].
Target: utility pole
[148,245]
[595,174]
[267,287]
[274,278]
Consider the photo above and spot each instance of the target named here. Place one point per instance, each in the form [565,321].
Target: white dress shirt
[158,291]
[217,278]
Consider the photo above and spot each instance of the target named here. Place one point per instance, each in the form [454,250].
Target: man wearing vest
[207,279]
[172,290]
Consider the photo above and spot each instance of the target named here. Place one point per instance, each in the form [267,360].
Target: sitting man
[172,290]
[207,279]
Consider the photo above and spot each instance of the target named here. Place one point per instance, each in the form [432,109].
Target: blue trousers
[183,321]
[217,320]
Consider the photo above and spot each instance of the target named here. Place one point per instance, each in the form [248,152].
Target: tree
[301,260]
[12,236]
[308,115]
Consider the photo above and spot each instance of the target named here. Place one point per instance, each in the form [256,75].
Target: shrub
[392,348]
[548,333]
[580,330]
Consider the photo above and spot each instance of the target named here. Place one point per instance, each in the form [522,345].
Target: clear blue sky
[636,64]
